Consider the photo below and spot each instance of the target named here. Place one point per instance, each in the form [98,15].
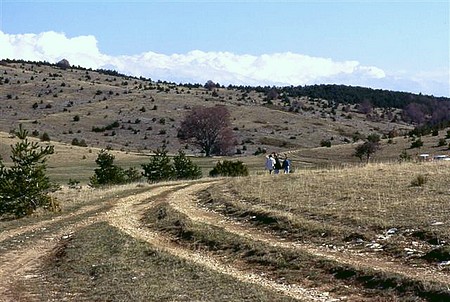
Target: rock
[63,64]
[392,231]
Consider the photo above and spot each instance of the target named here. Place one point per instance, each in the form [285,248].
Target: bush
[107,173]
[25,187]
[110,174]
[159,168]
[441,142]
[404,156]
[416,144]
[185,168]
[419,180]
[325,143]
[229,168]
[45,137]
[133,175]
[80,143]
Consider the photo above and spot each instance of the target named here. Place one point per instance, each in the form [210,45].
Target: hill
[106,109]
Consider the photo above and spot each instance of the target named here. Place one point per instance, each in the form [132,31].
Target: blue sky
[399,45]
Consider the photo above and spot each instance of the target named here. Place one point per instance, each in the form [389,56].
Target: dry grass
[103,264]
[377,194]
[100,99]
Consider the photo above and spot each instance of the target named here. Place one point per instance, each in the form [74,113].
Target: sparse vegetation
[332,229]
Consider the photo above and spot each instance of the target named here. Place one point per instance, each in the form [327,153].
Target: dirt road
[21,261]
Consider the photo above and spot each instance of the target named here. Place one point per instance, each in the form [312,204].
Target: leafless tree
[209,128]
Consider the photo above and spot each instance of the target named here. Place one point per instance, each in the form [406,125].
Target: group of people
[274,164]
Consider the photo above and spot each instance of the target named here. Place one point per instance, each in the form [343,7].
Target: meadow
[335,229]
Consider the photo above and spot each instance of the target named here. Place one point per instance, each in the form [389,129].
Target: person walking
[277,165]
[286,165]
[270,163]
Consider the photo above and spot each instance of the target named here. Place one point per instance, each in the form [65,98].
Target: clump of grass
[419,180]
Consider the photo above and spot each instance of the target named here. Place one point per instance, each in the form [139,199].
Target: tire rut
[185,202]
[126,216]
[23,262]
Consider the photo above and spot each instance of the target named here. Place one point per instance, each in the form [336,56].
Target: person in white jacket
[270,163]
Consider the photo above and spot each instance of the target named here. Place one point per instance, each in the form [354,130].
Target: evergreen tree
[25,186]
[107,173]
[159,168]
[185,168]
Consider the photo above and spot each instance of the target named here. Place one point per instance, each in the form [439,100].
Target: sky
[395,45]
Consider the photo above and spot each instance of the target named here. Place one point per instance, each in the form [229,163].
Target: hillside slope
[141,114]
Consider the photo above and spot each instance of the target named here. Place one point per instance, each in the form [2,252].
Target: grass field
[358,233]
[336,229]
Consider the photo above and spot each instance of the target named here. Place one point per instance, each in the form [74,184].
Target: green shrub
[45,137]
[229,168]
[24,186]
[325,143]
[159,168]
[107,173]
[417,143]
[133,175]
[442,142]
[404,156]
[185,168]
[74,183]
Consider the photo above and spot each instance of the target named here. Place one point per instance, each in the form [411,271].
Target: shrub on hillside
[417,143]
[325,143]
[160,167]
[24,186]
[45,137]
[229,168]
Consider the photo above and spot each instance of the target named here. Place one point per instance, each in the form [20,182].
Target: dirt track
[18,263]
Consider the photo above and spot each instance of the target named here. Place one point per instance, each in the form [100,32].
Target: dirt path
[185,202]
[126,217]
[43,224]
[20,262]
[17,264]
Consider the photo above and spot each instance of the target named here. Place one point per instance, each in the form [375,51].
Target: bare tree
[367,149]
[209,128]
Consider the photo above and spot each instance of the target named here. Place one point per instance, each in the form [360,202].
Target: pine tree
[107,173]
[159,168]
[25,186]
[185,168]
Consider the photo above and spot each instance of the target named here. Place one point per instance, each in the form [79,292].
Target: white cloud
[197,66]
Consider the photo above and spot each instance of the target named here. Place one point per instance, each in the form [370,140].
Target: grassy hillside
[69,104]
